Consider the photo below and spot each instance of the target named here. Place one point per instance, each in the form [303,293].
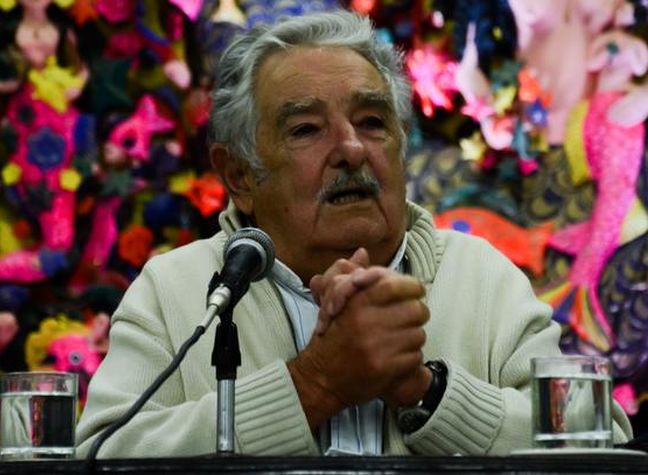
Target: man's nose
[349,151]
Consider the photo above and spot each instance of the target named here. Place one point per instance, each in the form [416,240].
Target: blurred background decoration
[530,132]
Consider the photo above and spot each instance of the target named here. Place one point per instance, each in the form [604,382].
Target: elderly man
[409,340]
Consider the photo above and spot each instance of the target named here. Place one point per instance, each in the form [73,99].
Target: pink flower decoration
[432,74]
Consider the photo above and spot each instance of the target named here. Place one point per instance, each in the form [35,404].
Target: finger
[395,287]
[318,283]
[405,364]
[409,340]
[363,278]
[340,266]
[407,314]
[338,293]
[345,286]
[360,257]
[333,301]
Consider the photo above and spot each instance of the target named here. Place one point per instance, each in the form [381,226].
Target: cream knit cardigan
[485,324]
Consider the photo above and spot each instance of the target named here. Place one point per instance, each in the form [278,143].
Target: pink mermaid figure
[613,148]
[40,176]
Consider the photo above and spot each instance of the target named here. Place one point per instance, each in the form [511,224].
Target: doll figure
[568,27]
[553,38]
[39,177]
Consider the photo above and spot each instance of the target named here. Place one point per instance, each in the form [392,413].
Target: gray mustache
[345,181]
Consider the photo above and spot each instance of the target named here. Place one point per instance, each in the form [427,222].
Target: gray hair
[233,117]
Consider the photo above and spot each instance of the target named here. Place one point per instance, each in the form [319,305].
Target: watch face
[412,419]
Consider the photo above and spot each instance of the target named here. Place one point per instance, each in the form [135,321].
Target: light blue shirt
[355,430]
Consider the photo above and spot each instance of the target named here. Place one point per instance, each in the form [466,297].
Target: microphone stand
[226,357]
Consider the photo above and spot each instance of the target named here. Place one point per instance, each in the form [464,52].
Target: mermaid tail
[614,155]
[580,308]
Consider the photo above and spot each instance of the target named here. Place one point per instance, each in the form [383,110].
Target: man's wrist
[412,418]
[318,403]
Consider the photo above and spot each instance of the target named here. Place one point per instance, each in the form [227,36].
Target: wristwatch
[412,418]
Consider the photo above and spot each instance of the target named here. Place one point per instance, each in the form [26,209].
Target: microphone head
[260,241]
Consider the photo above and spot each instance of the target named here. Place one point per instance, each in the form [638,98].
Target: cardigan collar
[424,245]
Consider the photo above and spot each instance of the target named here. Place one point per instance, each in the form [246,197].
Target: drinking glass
[37,415]
[571,402]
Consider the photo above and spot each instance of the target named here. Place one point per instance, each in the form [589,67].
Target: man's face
[330,141]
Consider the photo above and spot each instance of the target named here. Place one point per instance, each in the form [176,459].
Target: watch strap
[434,394]
[411,419]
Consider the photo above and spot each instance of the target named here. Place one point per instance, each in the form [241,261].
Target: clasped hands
[367,342]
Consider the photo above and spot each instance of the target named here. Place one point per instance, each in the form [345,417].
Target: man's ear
[237,177]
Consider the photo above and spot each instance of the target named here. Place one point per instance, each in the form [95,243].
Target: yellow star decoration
[51,83]
[7,5]
[11,174]
[70,179]
[473,147]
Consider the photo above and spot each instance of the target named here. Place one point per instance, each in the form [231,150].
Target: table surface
[564,463]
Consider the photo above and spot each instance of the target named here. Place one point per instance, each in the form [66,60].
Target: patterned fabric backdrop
[539,149]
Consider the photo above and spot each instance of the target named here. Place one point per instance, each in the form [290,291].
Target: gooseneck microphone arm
[225,290]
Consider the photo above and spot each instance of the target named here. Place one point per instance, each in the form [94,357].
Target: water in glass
[37,425]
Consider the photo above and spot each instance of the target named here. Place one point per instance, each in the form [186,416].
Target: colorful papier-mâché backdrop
[530,132]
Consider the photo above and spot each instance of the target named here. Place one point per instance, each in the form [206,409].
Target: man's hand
[372,348]
[332,289]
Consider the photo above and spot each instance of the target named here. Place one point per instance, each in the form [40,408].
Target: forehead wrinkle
[301,106]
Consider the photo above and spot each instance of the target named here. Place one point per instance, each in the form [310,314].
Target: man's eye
[303,130]
[373,122]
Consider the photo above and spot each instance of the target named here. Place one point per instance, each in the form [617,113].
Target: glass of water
[37,415]
[571,402]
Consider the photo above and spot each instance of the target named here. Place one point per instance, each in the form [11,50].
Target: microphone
[249,255]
